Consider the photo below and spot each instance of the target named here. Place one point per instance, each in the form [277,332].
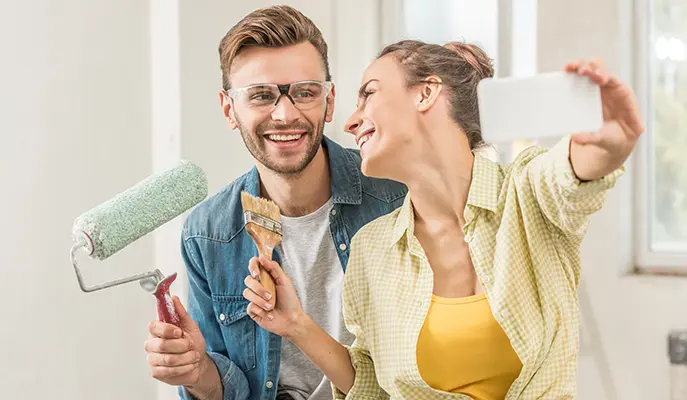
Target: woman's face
[385,119]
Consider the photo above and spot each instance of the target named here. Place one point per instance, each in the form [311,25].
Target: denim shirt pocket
[238,329]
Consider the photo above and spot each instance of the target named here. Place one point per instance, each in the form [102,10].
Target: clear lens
[305,95]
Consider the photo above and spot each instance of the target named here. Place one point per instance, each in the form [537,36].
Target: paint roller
[132,214]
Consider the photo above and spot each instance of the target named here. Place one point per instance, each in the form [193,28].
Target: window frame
[646,260]
[635,216]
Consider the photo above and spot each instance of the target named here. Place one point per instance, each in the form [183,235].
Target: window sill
[674,272]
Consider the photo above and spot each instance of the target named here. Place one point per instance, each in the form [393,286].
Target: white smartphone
[548,105]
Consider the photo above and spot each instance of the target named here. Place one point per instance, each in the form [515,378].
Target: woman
[469,290]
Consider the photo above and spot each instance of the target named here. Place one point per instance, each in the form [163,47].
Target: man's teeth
[284,138]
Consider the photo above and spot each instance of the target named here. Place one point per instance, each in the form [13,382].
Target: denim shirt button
[343,246]
[222,317]
[269,384]
[334,212]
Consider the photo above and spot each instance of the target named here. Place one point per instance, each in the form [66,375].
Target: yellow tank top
[463,349]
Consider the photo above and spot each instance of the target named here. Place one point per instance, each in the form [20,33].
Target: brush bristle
[258,205]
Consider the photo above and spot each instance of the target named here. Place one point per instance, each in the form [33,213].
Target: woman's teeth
[363,139]
[283,138]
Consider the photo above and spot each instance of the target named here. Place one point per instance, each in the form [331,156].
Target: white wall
[75,126]
[630,315]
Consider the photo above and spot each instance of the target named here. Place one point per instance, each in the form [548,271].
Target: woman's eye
[367,94]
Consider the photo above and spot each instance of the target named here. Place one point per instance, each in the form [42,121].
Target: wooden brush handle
[265,277]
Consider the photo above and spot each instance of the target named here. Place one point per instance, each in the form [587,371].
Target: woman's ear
[429,92]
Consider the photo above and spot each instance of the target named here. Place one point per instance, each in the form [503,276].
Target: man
[278,93]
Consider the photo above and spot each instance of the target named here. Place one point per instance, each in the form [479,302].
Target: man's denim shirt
[216,250]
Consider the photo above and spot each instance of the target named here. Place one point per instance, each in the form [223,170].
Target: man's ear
[227,110]
[428,93]
[330,105]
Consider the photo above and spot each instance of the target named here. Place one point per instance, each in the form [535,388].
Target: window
[452,20]
[662,158]
[494,25]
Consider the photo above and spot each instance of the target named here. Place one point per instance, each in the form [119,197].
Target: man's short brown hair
[276,26]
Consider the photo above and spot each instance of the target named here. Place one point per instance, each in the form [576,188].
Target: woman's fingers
[251,294]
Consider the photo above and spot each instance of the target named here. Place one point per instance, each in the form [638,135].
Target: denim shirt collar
[346,186]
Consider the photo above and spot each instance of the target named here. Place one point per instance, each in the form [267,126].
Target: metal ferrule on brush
[266,223]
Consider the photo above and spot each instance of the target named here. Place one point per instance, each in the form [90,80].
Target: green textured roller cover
[141,209]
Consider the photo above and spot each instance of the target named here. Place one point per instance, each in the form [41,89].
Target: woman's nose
[353,124]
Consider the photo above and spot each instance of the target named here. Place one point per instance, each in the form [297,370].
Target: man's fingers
[162,330]
[167,346]
[173,360]
[180,309]
[254,285]
[254,298]
[170,372]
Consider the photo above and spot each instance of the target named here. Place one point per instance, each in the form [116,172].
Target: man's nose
[285,110]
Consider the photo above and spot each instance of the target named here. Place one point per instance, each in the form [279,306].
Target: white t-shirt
[309,258]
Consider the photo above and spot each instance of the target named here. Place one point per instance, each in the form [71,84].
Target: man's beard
[255,143]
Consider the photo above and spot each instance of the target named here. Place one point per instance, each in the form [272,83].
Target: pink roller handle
[165,307]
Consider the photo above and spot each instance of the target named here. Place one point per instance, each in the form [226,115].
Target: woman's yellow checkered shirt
[524,223]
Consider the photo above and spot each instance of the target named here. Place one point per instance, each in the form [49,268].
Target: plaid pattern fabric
[524,225]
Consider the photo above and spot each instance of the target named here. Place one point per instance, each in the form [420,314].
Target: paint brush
[263,224]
